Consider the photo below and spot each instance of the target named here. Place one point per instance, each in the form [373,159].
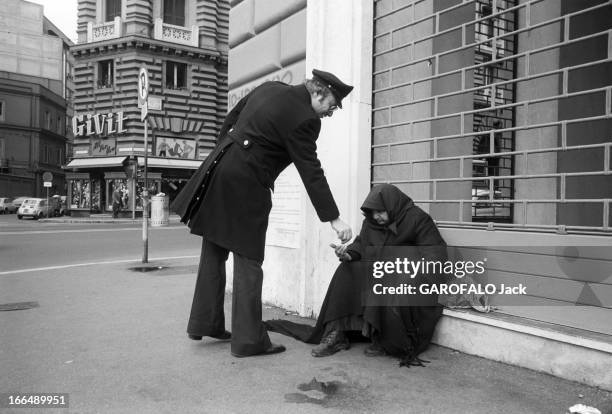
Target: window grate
[497,112]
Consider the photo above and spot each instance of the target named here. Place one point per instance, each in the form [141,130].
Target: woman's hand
[341,253]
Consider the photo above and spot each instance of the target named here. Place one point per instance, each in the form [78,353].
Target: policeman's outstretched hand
[342,229]
[341,253]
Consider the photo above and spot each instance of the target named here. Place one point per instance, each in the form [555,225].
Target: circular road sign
[143,85]
[47,176]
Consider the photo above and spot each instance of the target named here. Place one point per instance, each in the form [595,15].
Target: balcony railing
[104,31]
[176,34]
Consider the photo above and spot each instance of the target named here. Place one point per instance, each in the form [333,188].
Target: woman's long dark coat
[228,199]
[404,331]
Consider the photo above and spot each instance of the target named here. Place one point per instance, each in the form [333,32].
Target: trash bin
[160,210]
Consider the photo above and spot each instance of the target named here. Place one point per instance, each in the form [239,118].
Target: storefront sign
[103,147]
[98,124]
[175,148]
[155,103]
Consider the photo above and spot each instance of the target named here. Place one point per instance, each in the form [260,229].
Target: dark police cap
[338,88]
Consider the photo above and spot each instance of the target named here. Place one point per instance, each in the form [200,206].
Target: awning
[96,162]
[171,163]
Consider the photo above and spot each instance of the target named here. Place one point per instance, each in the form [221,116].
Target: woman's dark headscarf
[389,198]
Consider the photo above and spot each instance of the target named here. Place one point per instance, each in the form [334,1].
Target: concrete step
[569,353]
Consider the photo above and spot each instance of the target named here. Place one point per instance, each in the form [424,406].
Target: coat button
[245,142]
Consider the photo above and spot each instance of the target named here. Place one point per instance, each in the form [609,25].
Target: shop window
[174,12]
[80,194]
[154,186]
[113,9]
[105,74]
[176,75]
[120,184]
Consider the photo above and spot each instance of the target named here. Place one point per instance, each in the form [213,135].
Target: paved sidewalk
[115,340]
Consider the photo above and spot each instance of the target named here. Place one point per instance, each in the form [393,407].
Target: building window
[47,120]
[113,9]
[491,164]
[3,159]
[176,75]
[59,125]
[2,110]
[105,74]
[174,12]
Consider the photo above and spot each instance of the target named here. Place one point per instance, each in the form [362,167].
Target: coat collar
[303,95]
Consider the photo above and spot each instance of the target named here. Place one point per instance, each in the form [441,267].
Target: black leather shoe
[223,336]
[273,349]
[195,337]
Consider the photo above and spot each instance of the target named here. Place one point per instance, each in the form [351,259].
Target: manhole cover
[18,306]
[145,269]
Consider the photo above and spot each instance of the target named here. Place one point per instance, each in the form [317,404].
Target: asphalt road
[27,244]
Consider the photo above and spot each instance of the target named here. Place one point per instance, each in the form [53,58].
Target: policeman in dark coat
[228,200]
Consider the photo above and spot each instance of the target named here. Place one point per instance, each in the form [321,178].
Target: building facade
[183,46]
[495,117]
[35,100]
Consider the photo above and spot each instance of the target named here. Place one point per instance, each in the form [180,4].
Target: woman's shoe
[375,350]
[333,342]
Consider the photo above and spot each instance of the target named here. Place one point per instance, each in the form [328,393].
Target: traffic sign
[143,86]
[47,176]
[143,111]
[47,184]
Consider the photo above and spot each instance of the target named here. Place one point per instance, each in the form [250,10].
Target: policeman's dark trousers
[249,336]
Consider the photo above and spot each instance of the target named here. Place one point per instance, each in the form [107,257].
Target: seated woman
[391,219]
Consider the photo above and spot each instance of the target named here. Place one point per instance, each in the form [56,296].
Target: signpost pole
[143,94]
[47,182]
[145,201]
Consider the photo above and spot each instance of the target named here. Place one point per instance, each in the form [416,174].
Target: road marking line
[40,269]
[18,233]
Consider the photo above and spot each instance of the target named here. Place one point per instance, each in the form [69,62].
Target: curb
[86,220]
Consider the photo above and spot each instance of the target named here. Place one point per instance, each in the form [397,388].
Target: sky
[63,14]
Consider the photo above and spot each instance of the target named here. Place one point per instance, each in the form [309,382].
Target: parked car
[18,201]
[6,205]
[38,208]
